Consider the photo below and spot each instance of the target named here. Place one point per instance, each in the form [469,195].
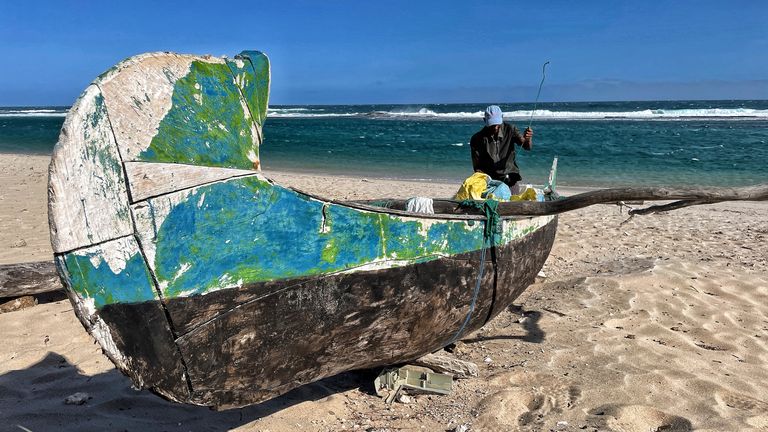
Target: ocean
[601,144]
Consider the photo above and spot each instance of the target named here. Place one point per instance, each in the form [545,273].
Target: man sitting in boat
[493,147]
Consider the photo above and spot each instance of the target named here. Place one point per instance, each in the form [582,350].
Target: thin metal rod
[543,76]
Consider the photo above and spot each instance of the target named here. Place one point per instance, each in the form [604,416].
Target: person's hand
[528,133]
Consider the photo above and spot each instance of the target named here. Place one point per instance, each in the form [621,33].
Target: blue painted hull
[246,345]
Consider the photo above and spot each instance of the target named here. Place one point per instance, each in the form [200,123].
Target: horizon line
[458,103]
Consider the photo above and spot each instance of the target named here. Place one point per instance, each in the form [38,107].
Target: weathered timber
[444,364]
[147,180]
[180,109]
[28,278]
[693,196]
[87,196]
[256,87]
[249,344]
[248,230]
[138,340]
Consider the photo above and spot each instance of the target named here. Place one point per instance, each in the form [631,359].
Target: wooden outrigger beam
[683,197]
[39,277]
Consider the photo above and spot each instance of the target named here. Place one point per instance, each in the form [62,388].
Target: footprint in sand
[526,399]
[740,402]
[755,410]
[630,418]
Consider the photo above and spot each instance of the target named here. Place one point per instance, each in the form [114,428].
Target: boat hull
[244,345]
[208,283]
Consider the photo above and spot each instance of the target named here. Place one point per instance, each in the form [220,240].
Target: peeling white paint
[95,259]
[182,269]
[89,305]
[87,193]
[148,76]
[115,254]
[386,264]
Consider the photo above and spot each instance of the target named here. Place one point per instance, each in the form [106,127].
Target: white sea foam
[644,114]
[426,113]
[289,110]
[6,112]
[312,115]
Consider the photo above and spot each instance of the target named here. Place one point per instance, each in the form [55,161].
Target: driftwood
[28,278]
[445,364]
[687,197]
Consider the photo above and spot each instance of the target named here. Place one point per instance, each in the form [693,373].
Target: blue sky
[329,52]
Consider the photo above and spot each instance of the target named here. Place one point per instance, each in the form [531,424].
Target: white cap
[493,116]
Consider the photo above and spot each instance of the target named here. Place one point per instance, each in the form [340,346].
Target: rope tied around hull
[492,227]
[491,209]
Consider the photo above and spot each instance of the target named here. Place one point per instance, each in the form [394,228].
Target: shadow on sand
[533,333]
[33,399]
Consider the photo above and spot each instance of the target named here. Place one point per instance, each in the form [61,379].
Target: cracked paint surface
[245,230]
[114,272]
[248,230]
[209,122]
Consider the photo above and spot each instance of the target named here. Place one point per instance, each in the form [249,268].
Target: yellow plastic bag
[528,195]
[473,187]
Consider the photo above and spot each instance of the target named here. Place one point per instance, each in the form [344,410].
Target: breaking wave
[425,113]
[540,114]
[46,112]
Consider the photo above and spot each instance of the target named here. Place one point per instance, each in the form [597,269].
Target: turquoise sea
[598,143]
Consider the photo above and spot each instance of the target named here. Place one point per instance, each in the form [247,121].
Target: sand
[659,323]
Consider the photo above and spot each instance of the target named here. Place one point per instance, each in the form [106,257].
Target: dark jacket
[495,156]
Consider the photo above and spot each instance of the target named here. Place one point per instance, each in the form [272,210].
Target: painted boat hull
[246,345]
[209,284]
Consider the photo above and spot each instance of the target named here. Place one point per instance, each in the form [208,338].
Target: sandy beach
[654,323]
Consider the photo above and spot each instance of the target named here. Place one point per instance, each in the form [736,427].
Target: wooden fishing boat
[209,284]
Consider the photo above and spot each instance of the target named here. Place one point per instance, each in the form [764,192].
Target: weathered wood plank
[147,179]
[87,196]
[327,325]
[102,278]
[340,322]
[139,94]
[28,278]
[257,92]
[694,196]
[519,264]
[444,364]
[110,272]
[247,230]
[180,109]
[245,80]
